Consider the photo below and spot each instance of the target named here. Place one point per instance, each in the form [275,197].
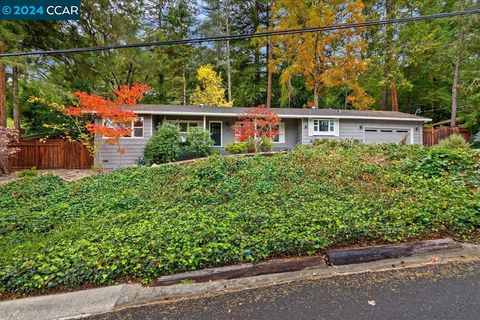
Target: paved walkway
[66,174]
[450,291]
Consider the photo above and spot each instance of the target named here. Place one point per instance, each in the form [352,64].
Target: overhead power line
[244,35]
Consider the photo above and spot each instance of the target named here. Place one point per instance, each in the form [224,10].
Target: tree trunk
[16,106]
[384,102]
[289,84]
[229,67]
[394,97]
[269,58]
[315,97]
[3,85]
[456,76]
[184,80]
[389,10]
[410,104]
[269,75]
[257,51]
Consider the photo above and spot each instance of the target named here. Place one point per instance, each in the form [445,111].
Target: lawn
[141,223]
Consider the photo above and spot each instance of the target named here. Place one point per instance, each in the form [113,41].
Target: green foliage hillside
[141,223]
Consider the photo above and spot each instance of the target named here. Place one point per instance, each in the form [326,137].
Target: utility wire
[245,35]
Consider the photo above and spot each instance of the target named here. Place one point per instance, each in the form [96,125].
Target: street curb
[346,256]
[103,300]
[244,270]
[62,306]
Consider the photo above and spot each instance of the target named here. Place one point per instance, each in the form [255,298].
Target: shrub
[164,145]
[454,141]
[32,172]
[266,144]
[199,142]
[236,147]
[250,144]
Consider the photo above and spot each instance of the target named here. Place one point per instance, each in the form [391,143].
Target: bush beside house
[164,145]
[454,141]
[199,143]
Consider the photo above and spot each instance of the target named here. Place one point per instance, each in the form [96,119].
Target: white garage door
[382,135]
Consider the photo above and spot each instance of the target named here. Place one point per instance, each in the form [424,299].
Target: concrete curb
[62,306]
[102,300]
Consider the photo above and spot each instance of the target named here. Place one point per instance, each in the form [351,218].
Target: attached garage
[384,135]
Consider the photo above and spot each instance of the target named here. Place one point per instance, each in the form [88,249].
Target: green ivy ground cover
[141,223]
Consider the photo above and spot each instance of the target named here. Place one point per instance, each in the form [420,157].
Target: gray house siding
[108,156]
[296,132]
[291,137]
[352,129]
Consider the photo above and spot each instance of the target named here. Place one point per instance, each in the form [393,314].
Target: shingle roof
[282,112]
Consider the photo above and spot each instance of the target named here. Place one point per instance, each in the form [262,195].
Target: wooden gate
[432,136]
[52,154]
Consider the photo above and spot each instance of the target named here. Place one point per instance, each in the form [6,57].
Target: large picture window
[323,126]
[185,126]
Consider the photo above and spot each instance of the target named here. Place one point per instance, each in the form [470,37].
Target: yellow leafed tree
[326,59]
[210,91]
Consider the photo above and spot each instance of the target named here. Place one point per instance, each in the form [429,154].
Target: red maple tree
[118,113]
[258,123]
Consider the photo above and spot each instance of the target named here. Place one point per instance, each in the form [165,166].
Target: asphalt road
[437,292]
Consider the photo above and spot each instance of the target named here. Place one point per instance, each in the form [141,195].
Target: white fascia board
[287,116]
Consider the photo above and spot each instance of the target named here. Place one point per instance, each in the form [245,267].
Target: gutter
[287,116]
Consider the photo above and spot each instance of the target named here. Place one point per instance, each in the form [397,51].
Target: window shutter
[337,127]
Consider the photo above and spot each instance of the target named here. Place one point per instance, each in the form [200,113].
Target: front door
[216,133]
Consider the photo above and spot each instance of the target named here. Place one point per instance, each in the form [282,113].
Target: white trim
[131,129]
[221,131]
[336,128]
[281,137]
[151,125]
[312,132]
[286,116]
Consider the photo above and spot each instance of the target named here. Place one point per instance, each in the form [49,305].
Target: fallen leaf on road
[372,302]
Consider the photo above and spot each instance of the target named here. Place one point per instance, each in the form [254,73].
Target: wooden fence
[52,154]
[432,136]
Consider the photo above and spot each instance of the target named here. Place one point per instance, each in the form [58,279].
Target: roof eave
[285,116]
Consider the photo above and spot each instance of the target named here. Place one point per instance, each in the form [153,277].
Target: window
[136,127]
[323,126]
[184,126]
[280,138]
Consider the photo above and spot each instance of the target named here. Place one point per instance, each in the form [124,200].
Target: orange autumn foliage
[257,123]
[328,59]
[119,113]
